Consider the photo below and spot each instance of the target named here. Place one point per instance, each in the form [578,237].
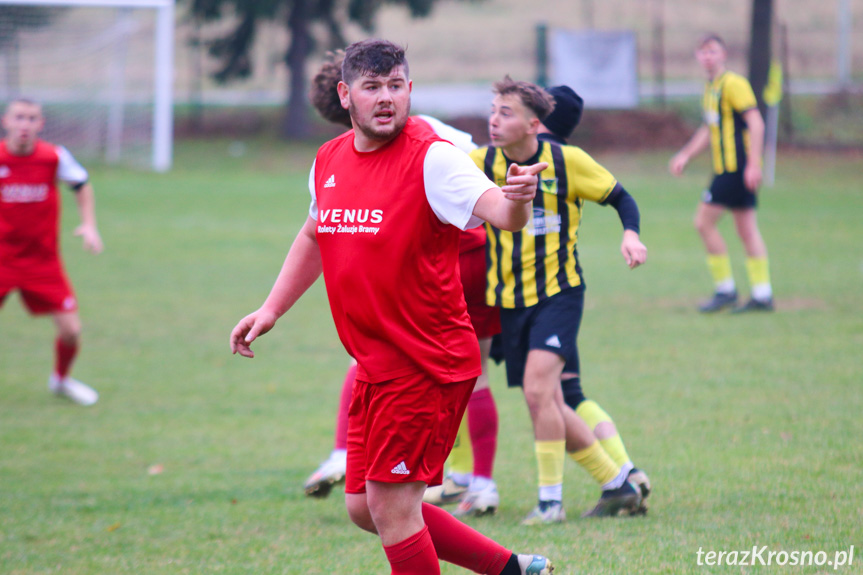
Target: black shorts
[551,325]
[729,190]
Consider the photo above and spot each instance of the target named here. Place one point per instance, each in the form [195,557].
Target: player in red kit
[471,461]
[389,199]
[29,221]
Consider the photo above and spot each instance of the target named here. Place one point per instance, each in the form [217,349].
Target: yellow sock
[720,271]
[593,415]
[461,456]
[597,462]
[759,277]
[550,456]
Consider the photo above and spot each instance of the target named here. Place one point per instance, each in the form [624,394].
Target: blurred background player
[29,223]
[535,278]
[473,488]
[734,131]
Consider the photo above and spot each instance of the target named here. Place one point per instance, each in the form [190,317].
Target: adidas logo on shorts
[553,341]
[400,469]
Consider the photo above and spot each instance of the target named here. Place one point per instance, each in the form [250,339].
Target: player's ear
[344,95]
[533,124]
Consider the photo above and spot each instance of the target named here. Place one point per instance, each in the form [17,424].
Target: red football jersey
[390,265]
[29,205]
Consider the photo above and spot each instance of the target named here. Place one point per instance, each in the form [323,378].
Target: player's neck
[716,73]
[523,150]
[24,148]
[363,143]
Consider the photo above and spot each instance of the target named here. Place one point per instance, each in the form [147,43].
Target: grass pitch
[193,460]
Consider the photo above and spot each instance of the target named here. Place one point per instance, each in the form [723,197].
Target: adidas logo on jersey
[553,341]
[331,182]
[5,171]
[400,469]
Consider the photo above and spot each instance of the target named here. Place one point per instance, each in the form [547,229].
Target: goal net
[101,71]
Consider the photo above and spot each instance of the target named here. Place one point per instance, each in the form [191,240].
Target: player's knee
[359,513]
[69,334]
[538,396]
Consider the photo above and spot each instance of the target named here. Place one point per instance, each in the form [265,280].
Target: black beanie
[567,111]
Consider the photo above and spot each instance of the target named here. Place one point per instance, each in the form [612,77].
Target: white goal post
[161,97]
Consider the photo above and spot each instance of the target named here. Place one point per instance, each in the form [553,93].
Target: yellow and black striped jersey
[541,260]
[726,98]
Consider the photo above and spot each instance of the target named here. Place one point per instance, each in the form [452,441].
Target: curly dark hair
[324,94]
[373,57]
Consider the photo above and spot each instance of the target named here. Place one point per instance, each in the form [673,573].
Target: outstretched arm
[509,208]
[300,270]
[86,200]
[696,144]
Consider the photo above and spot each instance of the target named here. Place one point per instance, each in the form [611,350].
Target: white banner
[602,66]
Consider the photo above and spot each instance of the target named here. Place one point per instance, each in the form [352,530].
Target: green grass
[749,426]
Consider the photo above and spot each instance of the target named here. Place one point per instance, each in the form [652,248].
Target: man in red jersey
[388,200]
[29,221]
[469,481]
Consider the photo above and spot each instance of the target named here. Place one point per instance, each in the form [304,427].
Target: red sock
[461,545]
[482,425]
[64,356]
[413,556]
[344,404]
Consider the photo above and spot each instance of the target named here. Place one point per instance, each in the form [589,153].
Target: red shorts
[44,289]
[484,318]
[402,430]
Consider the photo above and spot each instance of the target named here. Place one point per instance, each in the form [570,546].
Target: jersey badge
[549,186]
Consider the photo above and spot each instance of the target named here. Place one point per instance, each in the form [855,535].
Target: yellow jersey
[527,266]
[726,98]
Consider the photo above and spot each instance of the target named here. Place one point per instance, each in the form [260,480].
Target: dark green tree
[232,50]
[759,48]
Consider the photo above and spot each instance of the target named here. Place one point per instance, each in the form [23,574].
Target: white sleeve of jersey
[453,185]
[313,208]
[461,140]
[68,168]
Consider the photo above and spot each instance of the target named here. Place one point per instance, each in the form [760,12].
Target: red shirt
[390,265]
[472,239]
[29,206]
